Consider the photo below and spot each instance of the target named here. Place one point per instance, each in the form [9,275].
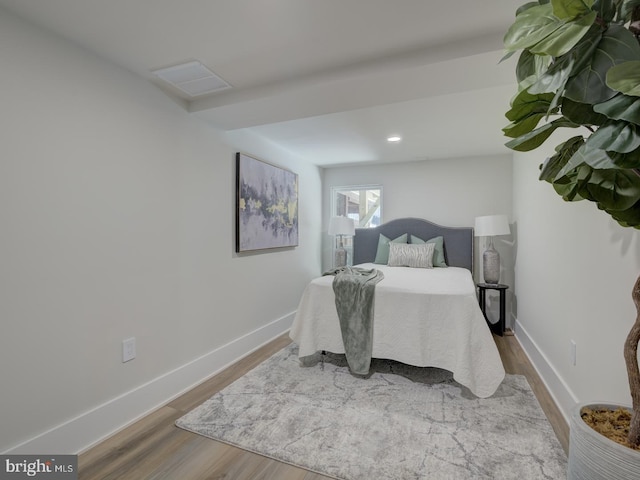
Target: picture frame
[266,205]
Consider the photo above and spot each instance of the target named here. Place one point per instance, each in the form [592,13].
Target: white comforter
[422,317]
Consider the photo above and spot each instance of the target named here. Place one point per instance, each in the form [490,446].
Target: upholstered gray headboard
[458,241]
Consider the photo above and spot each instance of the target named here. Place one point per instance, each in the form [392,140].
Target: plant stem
[633,369]
[631,344]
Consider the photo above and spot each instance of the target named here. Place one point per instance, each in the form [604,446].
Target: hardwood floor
[154,448]
[516,362]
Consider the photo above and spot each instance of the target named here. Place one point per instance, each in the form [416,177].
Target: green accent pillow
[382,255]
[438,252]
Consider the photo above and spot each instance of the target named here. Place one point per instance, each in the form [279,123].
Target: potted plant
[579,68]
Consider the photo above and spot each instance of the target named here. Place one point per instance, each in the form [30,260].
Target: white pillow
[411,255]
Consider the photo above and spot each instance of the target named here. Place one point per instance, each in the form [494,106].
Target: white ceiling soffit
[358,89]
[311,61]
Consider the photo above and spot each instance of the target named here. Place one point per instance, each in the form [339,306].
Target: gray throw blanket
[354,290]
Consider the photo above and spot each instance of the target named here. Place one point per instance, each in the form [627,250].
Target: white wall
[575,269]
[117,214]
[449,192]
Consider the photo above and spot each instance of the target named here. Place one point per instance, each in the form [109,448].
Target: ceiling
[327,80]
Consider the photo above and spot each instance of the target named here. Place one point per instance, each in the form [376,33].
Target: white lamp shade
[341,226]
[492,225]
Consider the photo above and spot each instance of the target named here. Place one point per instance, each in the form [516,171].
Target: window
[362,203]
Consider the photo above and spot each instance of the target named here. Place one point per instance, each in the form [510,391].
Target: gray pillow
[438,252]
[407,255]
[382,255]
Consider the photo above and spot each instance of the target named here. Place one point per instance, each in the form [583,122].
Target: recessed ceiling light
[394,138]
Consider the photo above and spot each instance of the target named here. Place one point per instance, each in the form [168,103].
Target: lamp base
[491,265]
[340,258]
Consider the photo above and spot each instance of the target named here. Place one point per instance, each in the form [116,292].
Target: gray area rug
[400,422]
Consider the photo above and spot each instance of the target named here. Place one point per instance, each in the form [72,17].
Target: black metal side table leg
[499,327]
[501,321]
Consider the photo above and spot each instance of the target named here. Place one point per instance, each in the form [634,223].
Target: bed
[425,317]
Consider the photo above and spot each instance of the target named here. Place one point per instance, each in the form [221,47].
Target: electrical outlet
[128,349]
[573,353]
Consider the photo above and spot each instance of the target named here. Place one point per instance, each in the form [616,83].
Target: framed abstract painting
[266,205]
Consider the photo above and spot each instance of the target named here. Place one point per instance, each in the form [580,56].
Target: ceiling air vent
[193,78]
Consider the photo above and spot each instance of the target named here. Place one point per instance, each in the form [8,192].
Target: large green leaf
[531,65]
[554,80]
[556,77]
[526,112]
[559,73]
[627,218]
[626,160]
[531,140]
[617,45]
[526,66]
[568,189]
[625,78]
[527,6]
[572,186]
[621,107]
[551,167]
[564,38]
[581,113]
[606,10]
[627,9]
[571,8]
[614,189]
[524,126]
[615,136]
[584,155]
[531,26]
[534,139]
[525,104]
[506,56]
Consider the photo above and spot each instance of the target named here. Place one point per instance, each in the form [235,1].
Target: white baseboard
[101,422]
[559,390]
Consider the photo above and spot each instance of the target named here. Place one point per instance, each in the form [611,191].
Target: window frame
[348,241]
[336,189]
